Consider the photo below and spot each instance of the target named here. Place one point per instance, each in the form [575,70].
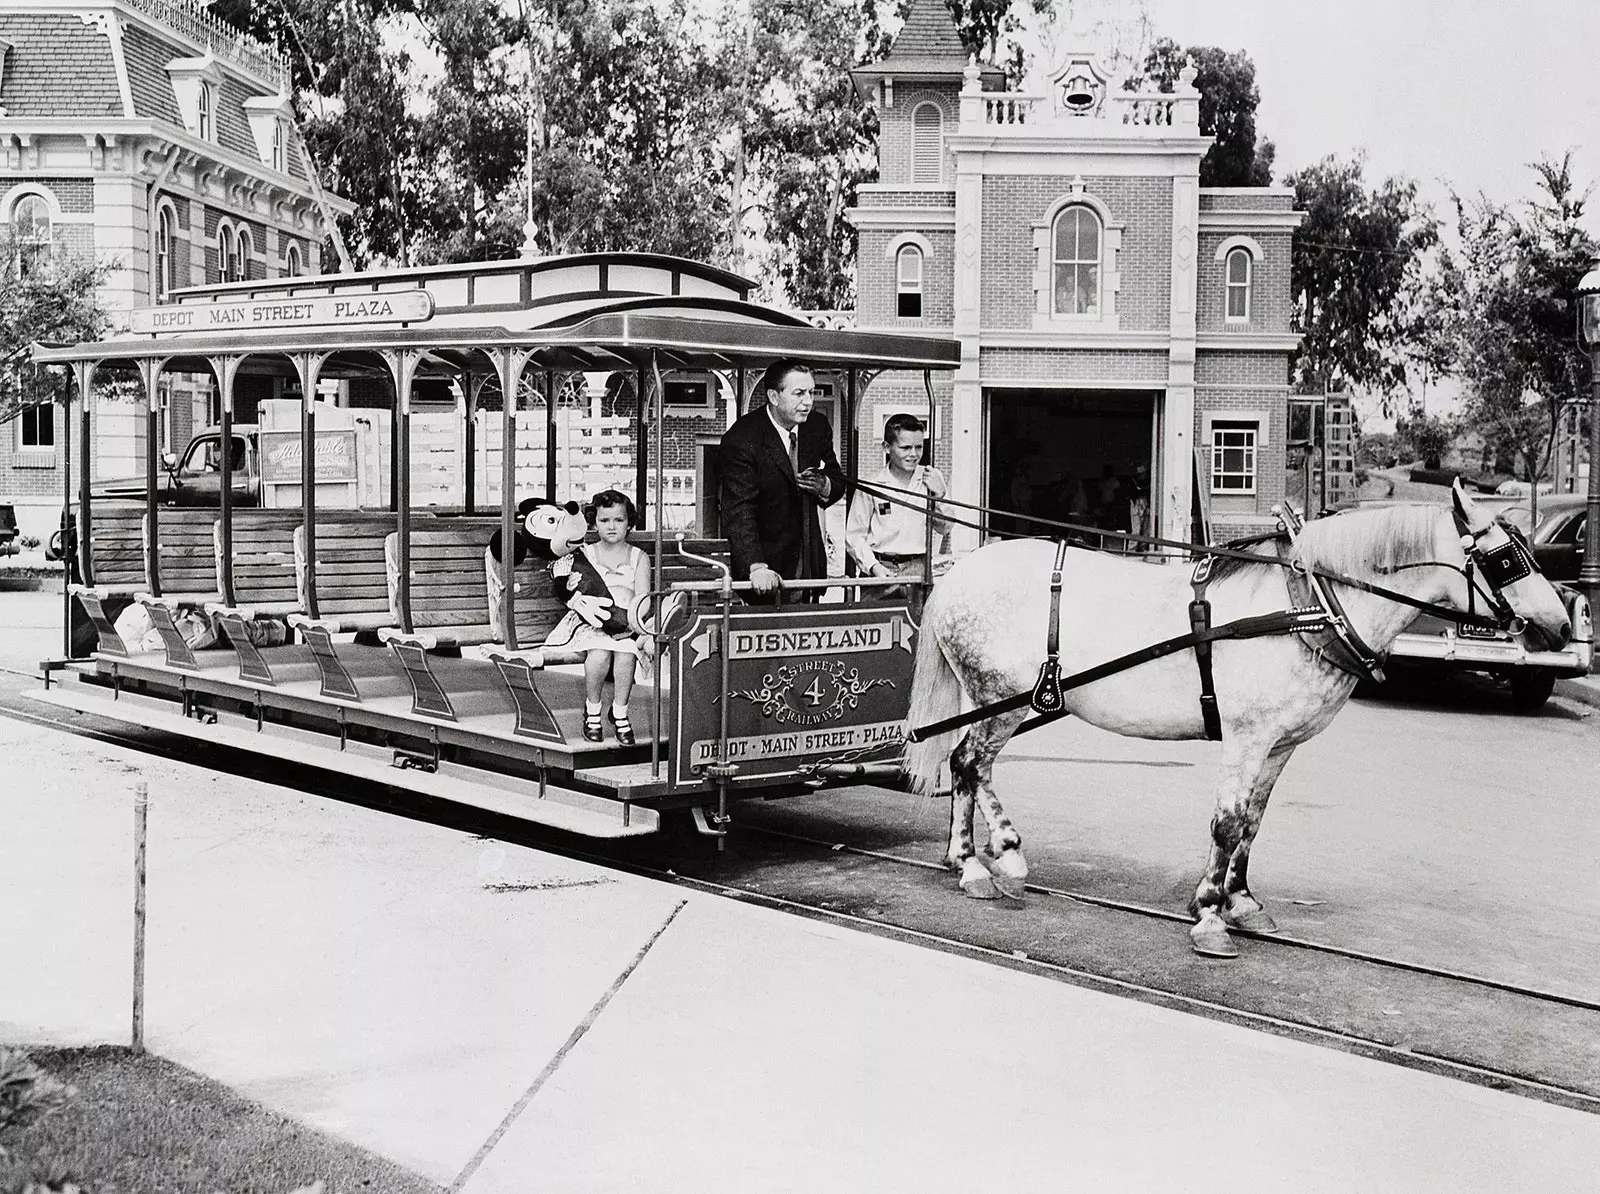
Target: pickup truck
[195,477]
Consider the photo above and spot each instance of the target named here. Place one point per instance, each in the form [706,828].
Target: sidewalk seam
[554,1063]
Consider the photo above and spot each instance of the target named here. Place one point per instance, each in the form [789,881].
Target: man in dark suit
[778,469]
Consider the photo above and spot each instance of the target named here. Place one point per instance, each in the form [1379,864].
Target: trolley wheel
[1530,689]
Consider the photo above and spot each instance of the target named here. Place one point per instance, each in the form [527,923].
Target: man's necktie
[794,449]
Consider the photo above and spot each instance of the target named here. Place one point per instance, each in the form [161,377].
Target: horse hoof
[1211,940]
[1010,874]
[976,882]
[1255,921]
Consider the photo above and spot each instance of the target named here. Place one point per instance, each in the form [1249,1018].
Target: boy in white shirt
[887,538]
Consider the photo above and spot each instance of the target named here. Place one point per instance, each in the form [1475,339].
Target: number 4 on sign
[815,691]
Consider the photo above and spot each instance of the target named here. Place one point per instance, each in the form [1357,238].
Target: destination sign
[346,310]
[807,687]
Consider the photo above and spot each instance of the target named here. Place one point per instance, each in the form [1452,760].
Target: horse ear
[1463,505]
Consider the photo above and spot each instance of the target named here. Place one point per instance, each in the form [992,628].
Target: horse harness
[1315,614]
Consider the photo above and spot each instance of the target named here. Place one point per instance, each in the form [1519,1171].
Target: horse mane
[1356,542]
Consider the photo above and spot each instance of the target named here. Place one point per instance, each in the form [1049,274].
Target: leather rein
[1322,615]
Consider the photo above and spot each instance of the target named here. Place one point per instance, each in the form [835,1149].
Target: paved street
[405,985]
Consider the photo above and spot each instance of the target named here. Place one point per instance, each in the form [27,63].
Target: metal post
[309,366]
[225,369]
[658,411]
[141,815]
[66,515]
[84,371]
[641,464]
[403,371]
[472,383]
[151,371]
[550,435]
[1589,573]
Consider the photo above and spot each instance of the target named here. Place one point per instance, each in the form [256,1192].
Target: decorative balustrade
[833,321]
[192,20]
[1149,110]
[1010,108]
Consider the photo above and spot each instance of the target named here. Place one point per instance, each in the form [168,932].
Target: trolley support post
[722,771]
[641,465]
[657,410]
[509,364]
[225,369]
[309,366]
[84,371]
[550,434]
[150,374]
[927,521]
[403,364]
[473,384]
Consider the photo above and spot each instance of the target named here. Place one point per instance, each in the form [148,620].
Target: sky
[1460,94]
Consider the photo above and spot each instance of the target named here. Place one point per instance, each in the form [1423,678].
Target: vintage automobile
[195,477]
[8,529]
[1557,543]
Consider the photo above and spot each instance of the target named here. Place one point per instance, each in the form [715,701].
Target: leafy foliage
[1358,258]
[1503,308]
[1226,80]
[55,302]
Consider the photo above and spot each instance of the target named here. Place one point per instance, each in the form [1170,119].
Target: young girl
[626,571]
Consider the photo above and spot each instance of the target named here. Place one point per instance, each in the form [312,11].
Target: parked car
[8,529]
[1557,542]
[1558,539]
[194,478]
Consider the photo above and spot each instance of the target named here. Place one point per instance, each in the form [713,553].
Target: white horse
[984,634]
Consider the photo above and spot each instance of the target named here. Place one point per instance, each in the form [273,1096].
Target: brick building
[150,136]
[1114,315]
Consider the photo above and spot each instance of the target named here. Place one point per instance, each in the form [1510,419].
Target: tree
[1226,80]
[55,302]
[1358,256]
[1505,306]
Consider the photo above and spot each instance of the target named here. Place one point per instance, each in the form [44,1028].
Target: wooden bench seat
[185,568]
[353,589]
[263,582]
[116,567]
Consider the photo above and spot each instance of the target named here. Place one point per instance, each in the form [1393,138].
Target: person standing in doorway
[884,536]
[778,470]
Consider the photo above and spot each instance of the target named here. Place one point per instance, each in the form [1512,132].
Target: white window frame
[1097,263]
[291,261]
[30,416]
[246,250]
[921,170]
[1229,286]
[30,248]
[1234,435]
[280,146]
[205,111]
[904,286]
[166,233]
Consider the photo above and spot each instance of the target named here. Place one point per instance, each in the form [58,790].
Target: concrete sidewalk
[503,1020]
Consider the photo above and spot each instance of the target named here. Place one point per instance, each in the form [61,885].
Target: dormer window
[279,154]
[205,120]
[197,86]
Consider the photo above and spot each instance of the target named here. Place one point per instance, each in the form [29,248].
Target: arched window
[204,121]
[227,254]
[1077,262]
[164,234]
[927,143]
[31,232]
[242,257]
[908,282]
[1238,285]
[291,262]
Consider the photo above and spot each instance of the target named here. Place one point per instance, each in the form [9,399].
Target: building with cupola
[1125,331]
[159,141]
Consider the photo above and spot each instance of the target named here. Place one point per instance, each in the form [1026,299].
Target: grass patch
[142,1125]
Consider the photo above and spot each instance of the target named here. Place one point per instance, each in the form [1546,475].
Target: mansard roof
[58,61]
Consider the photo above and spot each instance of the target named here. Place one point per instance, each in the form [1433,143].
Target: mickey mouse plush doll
[552,531]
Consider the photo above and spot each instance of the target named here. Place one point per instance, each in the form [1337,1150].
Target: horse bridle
[1497,568]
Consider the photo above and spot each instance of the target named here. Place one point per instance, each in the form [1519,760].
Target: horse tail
[935,695]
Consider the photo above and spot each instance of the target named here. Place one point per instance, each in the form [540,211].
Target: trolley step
[557,807]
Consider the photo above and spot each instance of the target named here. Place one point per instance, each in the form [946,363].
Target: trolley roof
[591,312]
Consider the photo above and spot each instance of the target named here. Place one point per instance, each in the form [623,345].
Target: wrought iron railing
[191,19]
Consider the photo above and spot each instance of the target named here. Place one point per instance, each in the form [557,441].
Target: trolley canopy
[579,331]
